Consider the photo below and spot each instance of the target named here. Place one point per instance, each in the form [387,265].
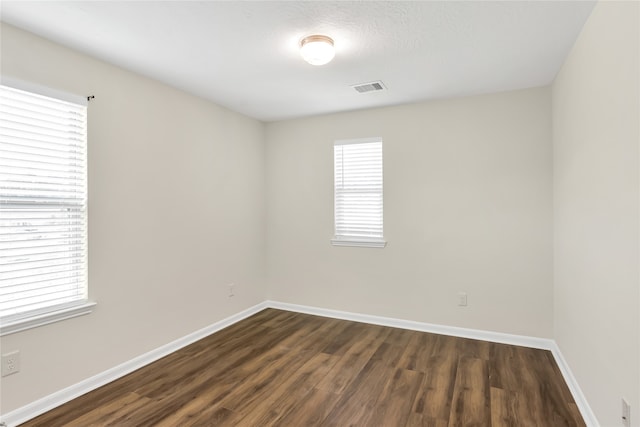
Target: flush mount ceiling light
[317,49]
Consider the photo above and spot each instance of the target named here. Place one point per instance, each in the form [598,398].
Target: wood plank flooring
[279,368]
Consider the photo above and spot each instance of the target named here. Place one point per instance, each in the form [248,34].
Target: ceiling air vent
[369,87]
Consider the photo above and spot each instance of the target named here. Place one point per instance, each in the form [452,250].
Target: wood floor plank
[257,387]
[418,420]
[279,318]
[280,368]
[504,367]
[575,412]
[473,348]
[211,416]
[116,412]
[356,404]
[312,409]
[394,346]
[394,403]
[183,373]
[507,410]
[272,408]
[418,351]
[342,341]
[445,344]
[553,369]
[357,352]
[546,398]
[470,406]
[342,373]
[434,397]
[198,411]
[216,388]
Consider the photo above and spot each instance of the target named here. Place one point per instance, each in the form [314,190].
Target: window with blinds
[43,205]
[358,193]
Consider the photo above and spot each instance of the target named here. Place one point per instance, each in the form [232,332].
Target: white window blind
[358,193]
[43,204]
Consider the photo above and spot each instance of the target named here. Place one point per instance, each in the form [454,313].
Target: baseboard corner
[579,397]
[47,403]
[520,340]
[60,397]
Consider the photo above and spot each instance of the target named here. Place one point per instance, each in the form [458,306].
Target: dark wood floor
[290,369]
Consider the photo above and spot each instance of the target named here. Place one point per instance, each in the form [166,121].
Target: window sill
[359,243]
[19,325]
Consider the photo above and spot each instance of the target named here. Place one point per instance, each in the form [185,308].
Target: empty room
[320,213]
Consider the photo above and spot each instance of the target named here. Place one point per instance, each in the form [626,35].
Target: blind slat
[18,267]
[358,190]
[43,200]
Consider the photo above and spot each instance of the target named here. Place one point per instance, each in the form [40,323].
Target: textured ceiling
[244,55]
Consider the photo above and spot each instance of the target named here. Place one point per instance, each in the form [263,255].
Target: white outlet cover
[462,299]
[10,363]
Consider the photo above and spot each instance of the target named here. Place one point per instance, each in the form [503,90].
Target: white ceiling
[244,55]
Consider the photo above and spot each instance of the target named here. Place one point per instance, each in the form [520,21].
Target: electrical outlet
[626,414]
[10,363]
[231,289]
[462,299]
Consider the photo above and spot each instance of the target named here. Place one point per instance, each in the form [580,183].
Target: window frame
[358,241]
[20,321]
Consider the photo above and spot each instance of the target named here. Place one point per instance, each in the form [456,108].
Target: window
[358,193]
[43,210]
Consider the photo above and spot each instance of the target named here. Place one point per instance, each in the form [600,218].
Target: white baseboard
[58,398]
[525,341]
[476,334]
[585,410]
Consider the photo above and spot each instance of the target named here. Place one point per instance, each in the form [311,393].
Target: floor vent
[369,87]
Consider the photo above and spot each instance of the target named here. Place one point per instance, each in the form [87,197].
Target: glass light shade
[317,50]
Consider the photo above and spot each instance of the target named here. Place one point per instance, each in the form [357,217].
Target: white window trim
[46,318]
[10,325]
[353,241]
[359,243]
[43,90]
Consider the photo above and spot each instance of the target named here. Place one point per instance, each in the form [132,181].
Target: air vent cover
[369,87]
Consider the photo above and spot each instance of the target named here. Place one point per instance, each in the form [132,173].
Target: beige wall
[467,191]
[176,212]
[596,121]
[179,208]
